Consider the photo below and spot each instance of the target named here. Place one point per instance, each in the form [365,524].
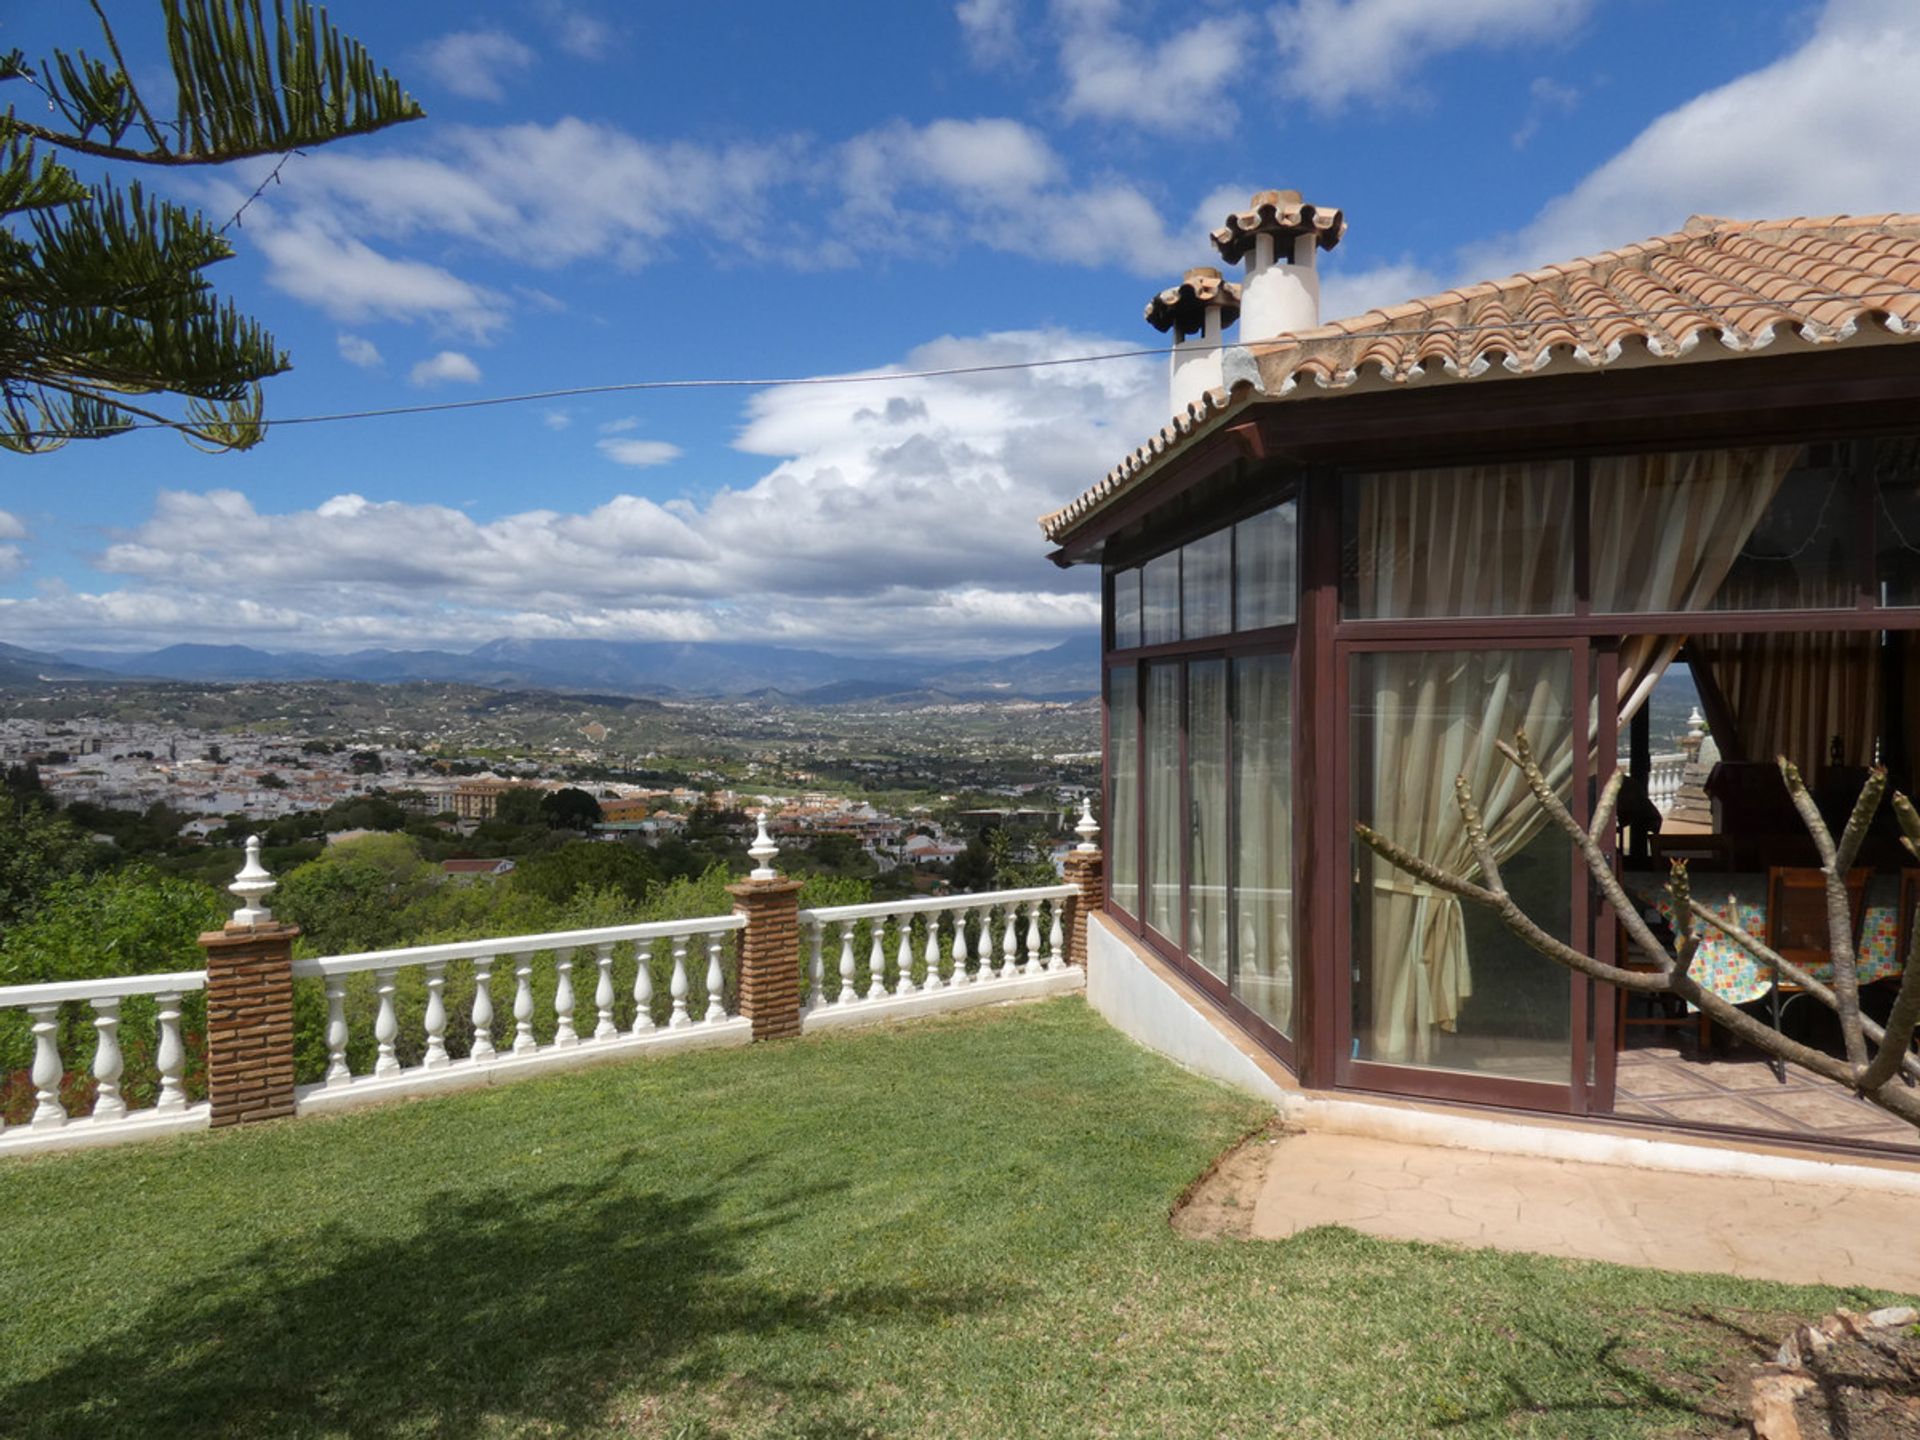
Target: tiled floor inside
[1733,1087]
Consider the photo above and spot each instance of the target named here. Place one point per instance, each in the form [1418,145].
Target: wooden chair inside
[1659,1015]
[1796,927]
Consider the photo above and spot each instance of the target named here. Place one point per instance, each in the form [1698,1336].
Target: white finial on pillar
[1087,828]
[1696,723]
[253,884]
[763,850]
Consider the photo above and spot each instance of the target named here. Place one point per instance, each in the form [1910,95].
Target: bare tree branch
[1875,1082]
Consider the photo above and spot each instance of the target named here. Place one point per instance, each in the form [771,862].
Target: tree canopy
[102,297]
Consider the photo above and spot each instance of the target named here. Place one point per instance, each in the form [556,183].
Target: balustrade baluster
[932,955]
[960,976]
[716,982]
[48,1112]
[847,993]
[1034,964]
[172,1056]
[564,1035]
[603,995]
[107,1063]
[1010,943]
[680,1018]
[337,1071]
[903,954]
[643,988]
[523,1041]
[386,1025]
[1056,940]
[482,1011]
[877,961]
[816,966]
[436,1021]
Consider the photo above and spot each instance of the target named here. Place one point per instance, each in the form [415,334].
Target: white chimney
[1280,237]
[1197,311]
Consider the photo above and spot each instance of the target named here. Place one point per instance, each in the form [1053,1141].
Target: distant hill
[635,668]
[27,667]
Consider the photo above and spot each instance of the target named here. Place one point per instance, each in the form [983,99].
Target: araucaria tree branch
[102,291]
[1879,1064]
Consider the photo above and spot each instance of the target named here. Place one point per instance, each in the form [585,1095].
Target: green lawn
[953,1228]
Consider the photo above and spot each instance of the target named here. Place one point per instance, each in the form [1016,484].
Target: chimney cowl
[1281,213]
[1183,308]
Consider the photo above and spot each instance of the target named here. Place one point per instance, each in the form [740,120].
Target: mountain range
[650,668]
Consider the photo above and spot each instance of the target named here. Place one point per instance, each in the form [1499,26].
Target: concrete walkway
[1761,1229]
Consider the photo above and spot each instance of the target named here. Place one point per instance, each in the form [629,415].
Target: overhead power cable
[1559,319]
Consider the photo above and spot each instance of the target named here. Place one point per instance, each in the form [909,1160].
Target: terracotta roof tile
[1739,284]
[1183,306]
[1277,212]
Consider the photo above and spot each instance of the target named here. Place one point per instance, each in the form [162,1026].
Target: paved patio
[1760,1229]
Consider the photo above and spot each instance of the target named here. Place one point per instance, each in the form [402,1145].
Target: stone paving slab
[1760,1229]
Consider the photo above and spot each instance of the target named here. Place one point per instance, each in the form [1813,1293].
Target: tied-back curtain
[1791,692]
[1436,716]
[1666,532]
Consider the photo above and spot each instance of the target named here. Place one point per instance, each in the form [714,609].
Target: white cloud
[640,454]
[1547,97]
[620,426]
[896,514]
[1336,51]
[476,63]
[555,419]
[996,183]
[1345,293]
[448,365]
[12,527]
[990,29]
[310,258]
[1179,84]
[581,35]
[1830,128]
[358,350]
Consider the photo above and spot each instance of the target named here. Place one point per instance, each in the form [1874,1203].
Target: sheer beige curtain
[1482,540]
[1497,540]
[1436,716]
[1790,693]
[1666,530]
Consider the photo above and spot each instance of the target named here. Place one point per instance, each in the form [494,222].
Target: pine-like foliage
[103,298]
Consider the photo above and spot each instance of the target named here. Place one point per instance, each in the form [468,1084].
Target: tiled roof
[1184,304]
[1736,284]
[1277,212]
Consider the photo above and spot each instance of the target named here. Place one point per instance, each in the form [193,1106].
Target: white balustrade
[1665,776]
[439,966]
[102,1002]
[1030,925]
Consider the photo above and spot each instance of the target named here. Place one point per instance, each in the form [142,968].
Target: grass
[952,1228]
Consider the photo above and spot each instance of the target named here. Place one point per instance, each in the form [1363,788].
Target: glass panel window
[1126,608]
[1123,797]
[1206,940]
[1896,478]
[1469,540]
[1264,551]
[1206,568]
[1757,527]
[1437,984]
[1263,838]
[1162,878]
[1160,599]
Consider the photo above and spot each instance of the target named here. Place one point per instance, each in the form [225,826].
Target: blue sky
[606,193]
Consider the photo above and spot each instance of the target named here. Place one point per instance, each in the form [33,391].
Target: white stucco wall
[1144,1005]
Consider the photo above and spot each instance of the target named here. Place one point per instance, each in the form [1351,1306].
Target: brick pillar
[250,1021]
[769,955]
[1085,869]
